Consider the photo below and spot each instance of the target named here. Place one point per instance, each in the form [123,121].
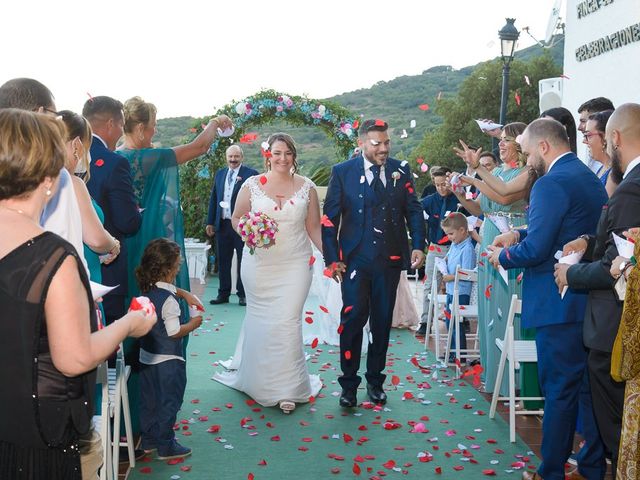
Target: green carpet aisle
[433,425]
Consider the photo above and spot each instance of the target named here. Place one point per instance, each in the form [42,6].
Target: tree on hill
[479,97]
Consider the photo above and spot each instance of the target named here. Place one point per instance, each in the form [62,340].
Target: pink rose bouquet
[257,230]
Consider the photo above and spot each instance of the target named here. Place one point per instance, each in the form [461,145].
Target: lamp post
[508,36]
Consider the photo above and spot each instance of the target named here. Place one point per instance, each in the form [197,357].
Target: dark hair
[158,259]
[490,154]
[31,149]
[25,94]
[601,119]
[564,116]
[372,125]
[548,129]
[440,171]
[291,144]
[102,106]
[455,220]
[597,104]
[76,125]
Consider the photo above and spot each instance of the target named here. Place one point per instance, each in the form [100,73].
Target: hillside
[397,101]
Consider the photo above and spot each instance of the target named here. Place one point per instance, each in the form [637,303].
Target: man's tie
[230,178]
[376,183]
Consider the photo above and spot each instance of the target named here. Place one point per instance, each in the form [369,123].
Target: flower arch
[196,177]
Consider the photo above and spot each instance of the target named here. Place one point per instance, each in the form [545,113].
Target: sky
[193,57]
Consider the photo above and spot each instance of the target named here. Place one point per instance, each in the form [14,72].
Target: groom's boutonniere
[238,179]
[395,176]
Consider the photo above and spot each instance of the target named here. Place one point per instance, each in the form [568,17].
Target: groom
[369,201]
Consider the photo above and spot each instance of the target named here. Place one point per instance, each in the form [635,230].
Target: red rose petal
[347,354]
[356,469]
[395,380]
[145,470]
[324,309]
[263,179]
[312,260]
[99,162]
[348,308]
[326,222]
[314,343]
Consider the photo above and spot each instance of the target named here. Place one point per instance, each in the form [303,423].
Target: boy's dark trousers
[161,392]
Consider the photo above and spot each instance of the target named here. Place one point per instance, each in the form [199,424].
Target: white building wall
[614,74]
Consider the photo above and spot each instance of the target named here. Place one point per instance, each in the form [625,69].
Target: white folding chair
[515,352]
[459,313]
[436,304]
[119,405]
[102,423]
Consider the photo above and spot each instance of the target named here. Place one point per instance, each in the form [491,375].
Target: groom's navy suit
[227,240]
[370,236]
[565,203]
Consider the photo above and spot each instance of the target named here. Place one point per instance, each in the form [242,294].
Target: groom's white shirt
[369,174]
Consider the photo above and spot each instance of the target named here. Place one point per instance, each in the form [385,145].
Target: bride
[269,360]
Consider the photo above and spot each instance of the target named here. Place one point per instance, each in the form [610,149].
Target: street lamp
[508,36]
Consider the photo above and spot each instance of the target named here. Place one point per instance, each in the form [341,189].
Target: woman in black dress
[50,346]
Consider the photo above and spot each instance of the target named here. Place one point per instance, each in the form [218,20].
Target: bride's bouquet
[257,230]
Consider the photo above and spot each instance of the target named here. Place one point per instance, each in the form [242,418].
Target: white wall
[614,74]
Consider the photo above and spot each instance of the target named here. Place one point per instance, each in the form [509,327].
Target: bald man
[603,313]
[565,202]
[225,190]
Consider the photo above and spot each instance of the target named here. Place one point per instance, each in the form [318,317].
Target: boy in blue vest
[163,374]
[461,253]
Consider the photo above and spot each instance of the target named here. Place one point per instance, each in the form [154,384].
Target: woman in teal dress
[156,181]
[157,188]
[513,181]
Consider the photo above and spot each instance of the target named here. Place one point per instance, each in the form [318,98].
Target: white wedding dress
[269,362]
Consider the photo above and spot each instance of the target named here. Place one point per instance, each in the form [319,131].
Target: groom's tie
[376,183]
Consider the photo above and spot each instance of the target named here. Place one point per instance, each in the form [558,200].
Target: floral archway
[196,177]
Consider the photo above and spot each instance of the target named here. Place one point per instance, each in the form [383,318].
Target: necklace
[17,210]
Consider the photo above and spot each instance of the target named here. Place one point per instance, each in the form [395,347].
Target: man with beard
[603,310]
[565,201]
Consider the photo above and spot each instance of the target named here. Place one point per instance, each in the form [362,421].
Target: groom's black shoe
[376,394]
[348,398]
[242,301]
[219,300]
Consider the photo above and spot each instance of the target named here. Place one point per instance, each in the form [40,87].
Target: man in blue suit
[111,187]
[369,202]
[224,193]
[566,202]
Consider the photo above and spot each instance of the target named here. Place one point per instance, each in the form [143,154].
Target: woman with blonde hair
[50,343]
[156,182]
[501,211]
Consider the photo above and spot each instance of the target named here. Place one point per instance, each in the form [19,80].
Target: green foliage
[437,129]
[479,97]
[197,176]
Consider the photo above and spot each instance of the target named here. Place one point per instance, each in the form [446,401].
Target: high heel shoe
[287,406]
